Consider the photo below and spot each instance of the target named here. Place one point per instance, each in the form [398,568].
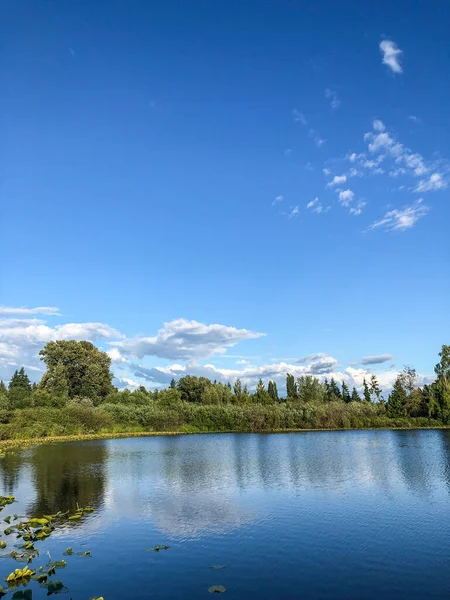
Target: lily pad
[217,589]
[22,595]
[59,564]
[37,522]
[55,587]
[217,567]
[7,519]
[3,544]
[158,548]
[68,552]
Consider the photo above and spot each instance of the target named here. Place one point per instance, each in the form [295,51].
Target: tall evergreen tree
[20,380]
[397,400]
[172,384]
[366,391]
[334,393]
[345,393]
[355,396]
[291,387]
[273,392]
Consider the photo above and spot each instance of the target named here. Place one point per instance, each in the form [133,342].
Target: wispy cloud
[279,198]
[72,51]
[333,97]
[401,219]
[337,180]
[39,310]
[294,212]
[358,208]
[316,206]
[318,140]
[391,55]
[309,167]
[376,359]
[299,117]
[433,183]
[415,119]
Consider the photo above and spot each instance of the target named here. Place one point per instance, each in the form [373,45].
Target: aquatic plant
[217,589]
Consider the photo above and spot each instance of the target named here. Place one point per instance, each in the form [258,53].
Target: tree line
[79,375]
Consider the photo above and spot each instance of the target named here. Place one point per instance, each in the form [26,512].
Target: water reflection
[66,476]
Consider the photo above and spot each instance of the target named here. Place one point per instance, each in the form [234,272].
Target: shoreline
[22,443]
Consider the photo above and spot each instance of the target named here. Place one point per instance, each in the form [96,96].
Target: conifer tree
[291,387]
[355,396]
[397,399]
[273,392]
[366,391]
[345,393]
[334,393]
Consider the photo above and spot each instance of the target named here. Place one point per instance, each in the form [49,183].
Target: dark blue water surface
[357,514]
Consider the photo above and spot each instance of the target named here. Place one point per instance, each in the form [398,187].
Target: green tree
[273,392]
[355,396]
[442,384]
[237,388]
[173,384]
[345,393]
[311,390]
[366,391]
[77,367]
[192,387]
[397,400]
[334,393]
[4,397]
[375,390]
[19,390]
[291,388]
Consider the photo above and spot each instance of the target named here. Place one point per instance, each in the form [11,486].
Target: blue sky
[213,171]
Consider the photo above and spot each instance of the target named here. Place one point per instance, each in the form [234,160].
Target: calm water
[308,515]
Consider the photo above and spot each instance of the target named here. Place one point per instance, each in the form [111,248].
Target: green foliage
[273,392]
[397,400]
[333,391]
[77,369]
[192,388]
[309,389]
[375,390]
[355,396]
[19,391]
[366,392]
[345,393]
[291,388]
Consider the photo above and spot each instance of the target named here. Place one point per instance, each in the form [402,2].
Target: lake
[347,514]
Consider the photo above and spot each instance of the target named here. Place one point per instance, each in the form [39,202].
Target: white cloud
[316,206]
[353,157]
[39,310]
[400,220]
[309,167]
[243,362]
[354,172]
[326,171]
[337,180]
[279,198]
[318,140]
[378,125]
[358,208]
[299,117]
[115,356]
[346,197]
[186,340]
[414,119]
[391,55]
[333,97]
[294,212]
[435,182]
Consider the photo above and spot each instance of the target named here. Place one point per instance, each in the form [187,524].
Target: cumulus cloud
[346,197]
[39,310]
[358,208]
[391,55]
[376,359]
[378,125]
[21,339]
[318,364]
[187,340]
[401,219]
[115,356]
[337,180]
[433,183]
